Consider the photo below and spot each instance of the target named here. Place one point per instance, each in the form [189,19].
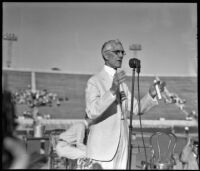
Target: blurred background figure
[71,142]
[72,145]
[14,154]
[189,156]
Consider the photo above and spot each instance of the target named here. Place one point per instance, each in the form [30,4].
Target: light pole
[10,37]
[135,48]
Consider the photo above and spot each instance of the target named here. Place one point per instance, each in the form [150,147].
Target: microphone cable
[141,119]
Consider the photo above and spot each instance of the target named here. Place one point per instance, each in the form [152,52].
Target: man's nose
[121,55]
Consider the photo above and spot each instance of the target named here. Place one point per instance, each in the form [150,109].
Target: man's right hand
[119,77]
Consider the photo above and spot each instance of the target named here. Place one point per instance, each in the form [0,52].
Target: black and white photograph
[100,85]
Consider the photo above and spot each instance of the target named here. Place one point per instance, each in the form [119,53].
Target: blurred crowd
[173,98]
[37,98]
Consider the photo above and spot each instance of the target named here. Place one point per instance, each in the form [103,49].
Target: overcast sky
[70,35]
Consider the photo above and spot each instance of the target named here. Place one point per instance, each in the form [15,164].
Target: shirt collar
[86,123]
[109,70]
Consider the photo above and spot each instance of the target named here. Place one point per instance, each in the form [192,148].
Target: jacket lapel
[105,78]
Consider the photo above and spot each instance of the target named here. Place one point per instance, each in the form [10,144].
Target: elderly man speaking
[108,138]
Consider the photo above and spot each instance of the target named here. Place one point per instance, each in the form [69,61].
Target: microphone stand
[139,114]
[130,125]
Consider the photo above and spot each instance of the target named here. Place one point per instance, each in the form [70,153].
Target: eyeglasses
[117,52]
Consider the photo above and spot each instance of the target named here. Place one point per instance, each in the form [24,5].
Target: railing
[61,123]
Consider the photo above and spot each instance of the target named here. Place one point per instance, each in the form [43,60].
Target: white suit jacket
[103,138]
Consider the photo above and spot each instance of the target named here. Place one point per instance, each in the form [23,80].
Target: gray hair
[109,43]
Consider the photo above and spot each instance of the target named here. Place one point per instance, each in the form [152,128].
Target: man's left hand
[152,89]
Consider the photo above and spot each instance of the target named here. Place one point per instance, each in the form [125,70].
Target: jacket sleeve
[96,103]
[146,103]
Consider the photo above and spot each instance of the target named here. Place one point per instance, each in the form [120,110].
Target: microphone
[122,93]
[157,81]
[134,63]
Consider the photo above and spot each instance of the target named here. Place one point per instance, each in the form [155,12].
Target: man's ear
[106,56]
